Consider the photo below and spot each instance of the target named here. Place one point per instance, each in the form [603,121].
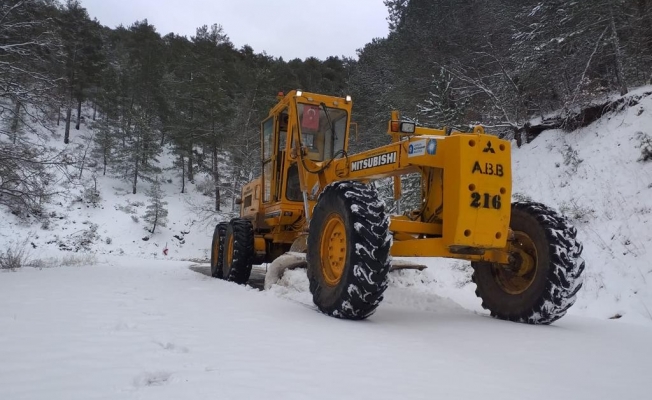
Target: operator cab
[321,124]
[323,131]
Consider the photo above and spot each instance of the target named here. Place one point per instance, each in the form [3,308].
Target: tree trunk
[191,172]
[216,178]
[131,107]
[615,40]
[66,136]
[234,185]
[645,14]
[94,110]
[135,175]
[15,124]
[79,104]
[104,170]
[88,145]
[155,221]
[59,116]
[163,131]
[183,174]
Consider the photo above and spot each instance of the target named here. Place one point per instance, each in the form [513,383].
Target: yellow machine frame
[466,185]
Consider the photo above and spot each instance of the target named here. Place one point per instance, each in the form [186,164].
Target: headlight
[408,127]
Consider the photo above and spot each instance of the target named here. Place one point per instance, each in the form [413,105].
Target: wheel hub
[517,276]
[333,249]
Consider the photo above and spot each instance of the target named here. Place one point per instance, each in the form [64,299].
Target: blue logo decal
[411,149]
[432,147]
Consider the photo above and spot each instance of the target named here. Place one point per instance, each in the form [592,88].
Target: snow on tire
[550,291]
[238,251]
[348,251]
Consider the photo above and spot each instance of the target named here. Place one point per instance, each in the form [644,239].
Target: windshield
[322,139]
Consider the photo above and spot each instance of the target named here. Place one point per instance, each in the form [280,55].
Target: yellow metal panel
[259,245]
[414,227]
[438,248]
[477,191]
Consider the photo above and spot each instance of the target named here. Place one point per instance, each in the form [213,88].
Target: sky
[282,28]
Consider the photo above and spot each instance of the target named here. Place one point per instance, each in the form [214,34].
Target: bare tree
[28,46]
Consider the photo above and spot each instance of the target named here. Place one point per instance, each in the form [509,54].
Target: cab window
[323,131]
[268,145]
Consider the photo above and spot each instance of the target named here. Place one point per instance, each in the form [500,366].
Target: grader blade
[293,260]
[406,264]
[286,261]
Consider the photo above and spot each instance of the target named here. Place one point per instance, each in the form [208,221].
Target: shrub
[645,144]
[206,187]
[571,158]
[15,257]
[92,196]
[576,212]
[70,260]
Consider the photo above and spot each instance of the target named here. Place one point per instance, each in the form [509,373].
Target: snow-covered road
[139,329]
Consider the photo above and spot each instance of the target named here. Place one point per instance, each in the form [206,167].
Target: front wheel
[348,251]
[541,282]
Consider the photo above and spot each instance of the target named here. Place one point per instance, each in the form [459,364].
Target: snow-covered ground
[118,319]
[147,329]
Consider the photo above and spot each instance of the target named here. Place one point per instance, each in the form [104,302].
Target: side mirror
[238,200]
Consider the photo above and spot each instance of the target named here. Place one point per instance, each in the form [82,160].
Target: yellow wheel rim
[518,276]
[229,252]
[333,249]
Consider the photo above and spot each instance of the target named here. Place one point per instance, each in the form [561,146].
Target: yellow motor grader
[315,197]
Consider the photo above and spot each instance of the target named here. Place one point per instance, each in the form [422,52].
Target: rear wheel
[217,249]
[238,252]
[541,282]
[348,251]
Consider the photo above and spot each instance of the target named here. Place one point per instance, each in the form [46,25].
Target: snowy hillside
[115,224]
[594,176]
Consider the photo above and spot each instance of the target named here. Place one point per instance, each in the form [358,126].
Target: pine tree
[178,91]
[136,157]
[105,141]
[156,213]
[214,64]
[82,45]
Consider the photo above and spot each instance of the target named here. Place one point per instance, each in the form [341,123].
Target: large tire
[238,251]
[348,251]
[542,294]
[217,249]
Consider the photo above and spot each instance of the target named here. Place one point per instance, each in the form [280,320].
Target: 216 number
[485,201]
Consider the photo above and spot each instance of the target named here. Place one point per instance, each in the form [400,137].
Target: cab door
[269,158]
